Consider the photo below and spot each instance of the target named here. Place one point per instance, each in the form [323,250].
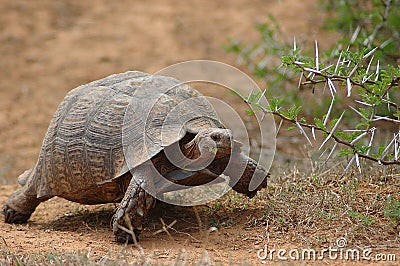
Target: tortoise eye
[215,137]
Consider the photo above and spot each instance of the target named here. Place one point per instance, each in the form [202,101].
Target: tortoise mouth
[222,152]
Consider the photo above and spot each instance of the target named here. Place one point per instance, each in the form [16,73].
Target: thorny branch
[315,75]
[373,88]
[330,135]
[378,27]
[335,77]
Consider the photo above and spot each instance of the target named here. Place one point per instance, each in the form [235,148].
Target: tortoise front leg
[129,217]
[241,169]
[251,170]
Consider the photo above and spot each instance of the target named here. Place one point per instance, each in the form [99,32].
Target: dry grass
[296,210]
[315,210]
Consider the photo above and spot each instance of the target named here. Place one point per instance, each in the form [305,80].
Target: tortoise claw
[14,217]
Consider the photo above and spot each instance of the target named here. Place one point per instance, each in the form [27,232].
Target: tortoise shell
[105,128]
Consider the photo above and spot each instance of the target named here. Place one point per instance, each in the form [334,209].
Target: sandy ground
[50,47]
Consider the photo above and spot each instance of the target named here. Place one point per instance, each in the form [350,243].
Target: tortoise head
[210,142]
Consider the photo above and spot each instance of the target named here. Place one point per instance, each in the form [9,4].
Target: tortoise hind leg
[129,217]
[20,205]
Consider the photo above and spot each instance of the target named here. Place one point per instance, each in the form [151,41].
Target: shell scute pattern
[86,127]
[103,129]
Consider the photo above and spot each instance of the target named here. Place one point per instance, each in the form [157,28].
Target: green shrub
[349,93]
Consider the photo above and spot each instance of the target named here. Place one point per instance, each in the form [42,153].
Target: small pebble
[213,229]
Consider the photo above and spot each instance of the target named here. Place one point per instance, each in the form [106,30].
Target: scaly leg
[132,211]
[246,176]
[21,204]
[253,175]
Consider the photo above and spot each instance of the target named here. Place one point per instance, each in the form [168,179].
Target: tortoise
[114,139]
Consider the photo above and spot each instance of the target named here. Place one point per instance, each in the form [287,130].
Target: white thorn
[262,95]
[249,96]
[353,70]
[349,87]
[363,103]
[377,71]
[372,131]
[330,154]
[359,137]
[301,76]
[354,130]
[350,163]
[369,64]
[333,130]
[329,112]
[331,87]
[396,151]
[304,133]
[313,132]
[358,162]
[316,56]
[386,149]
[355,34]
[279,127]
[338,61]
[377,118]
[355,110]
[325,68]
[312,70]
[370,52]
[383,45]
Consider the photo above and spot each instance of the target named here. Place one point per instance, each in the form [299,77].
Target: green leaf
[214,150]
[318,122]
[345,152]
[249,112]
